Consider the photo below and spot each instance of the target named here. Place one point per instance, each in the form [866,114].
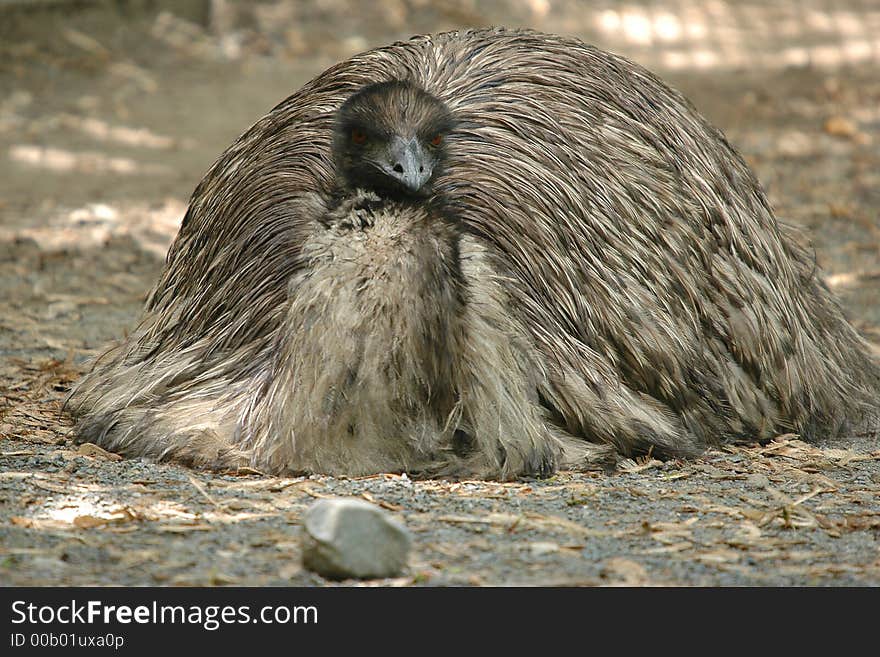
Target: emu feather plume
[487,254]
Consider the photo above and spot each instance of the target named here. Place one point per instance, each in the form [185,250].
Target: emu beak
[408,163]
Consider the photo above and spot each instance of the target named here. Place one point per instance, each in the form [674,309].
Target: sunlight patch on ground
[153,226]
[119,134]
[706,35]
[69,508]
[65,161]
[89,509]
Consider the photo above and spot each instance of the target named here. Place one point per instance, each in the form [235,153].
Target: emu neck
[372,336]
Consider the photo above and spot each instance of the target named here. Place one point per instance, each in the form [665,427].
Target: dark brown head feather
[380,115]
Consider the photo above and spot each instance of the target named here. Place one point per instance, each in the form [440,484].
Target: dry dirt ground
[107,122]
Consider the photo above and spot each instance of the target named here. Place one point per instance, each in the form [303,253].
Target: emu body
[582,268]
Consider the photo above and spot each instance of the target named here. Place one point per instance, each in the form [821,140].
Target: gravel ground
[107,124]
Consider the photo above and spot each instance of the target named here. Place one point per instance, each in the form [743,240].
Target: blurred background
[111,111]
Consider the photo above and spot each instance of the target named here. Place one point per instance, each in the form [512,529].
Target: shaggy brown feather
[596,273]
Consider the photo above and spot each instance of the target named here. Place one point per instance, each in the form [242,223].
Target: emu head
[390,138]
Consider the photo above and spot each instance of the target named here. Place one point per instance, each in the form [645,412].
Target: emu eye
[436,140]
[358,137]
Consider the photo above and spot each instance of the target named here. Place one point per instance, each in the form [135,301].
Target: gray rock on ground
[349,538]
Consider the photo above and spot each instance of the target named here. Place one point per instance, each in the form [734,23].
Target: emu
[487,253]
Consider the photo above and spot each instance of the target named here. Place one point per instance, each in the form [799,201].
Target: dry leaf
[630,572]
[640,467]
[679,546]
[52,488]
[93,451]
[539,548]
[385,505]
[89,522]
[20,521]
[839,126]
[290,570]
[183,529]
[718,556]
